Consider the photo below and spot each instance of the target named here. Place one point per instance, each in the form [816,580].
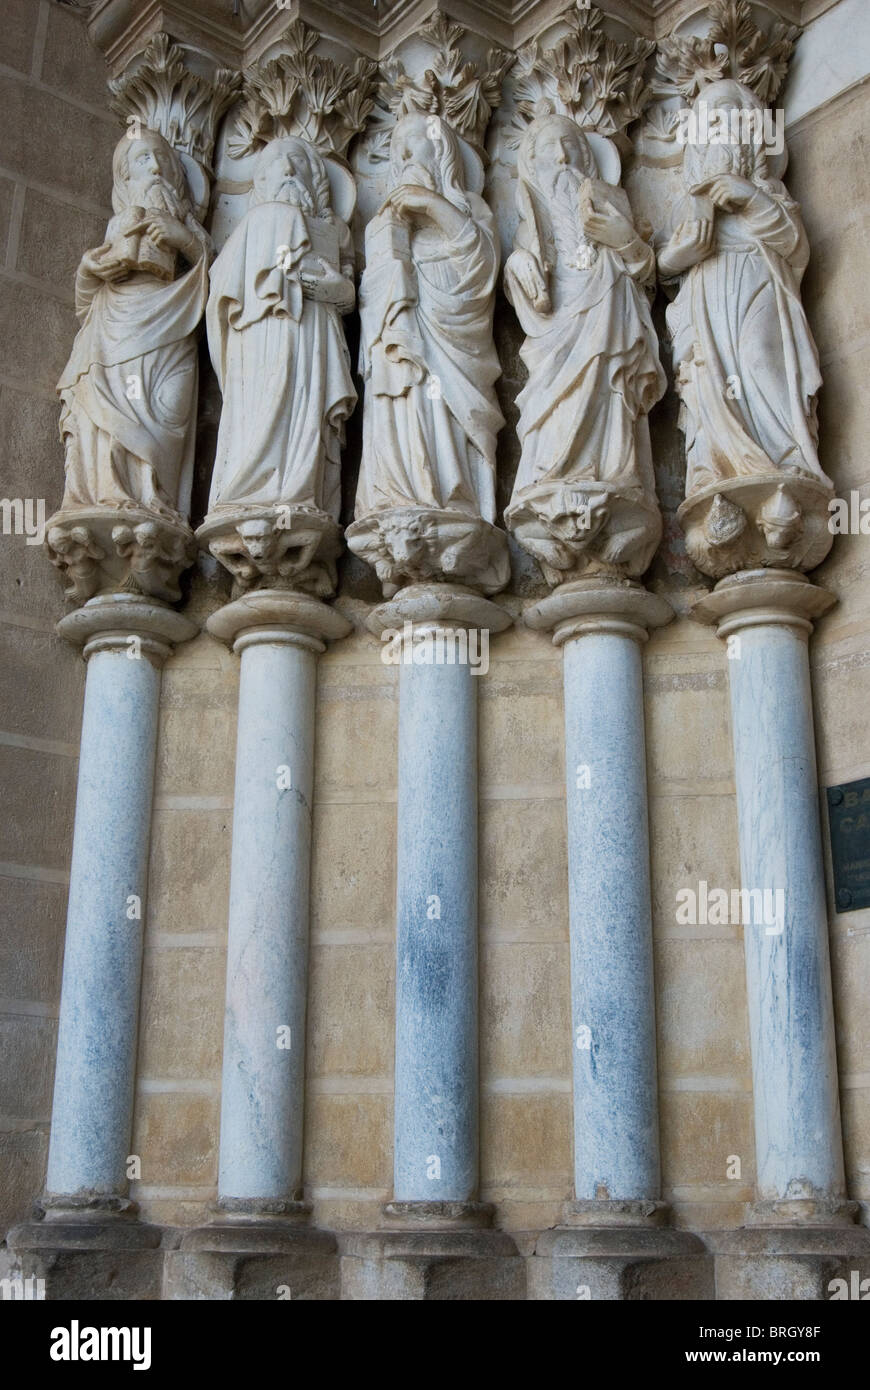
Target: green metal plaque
[849,820]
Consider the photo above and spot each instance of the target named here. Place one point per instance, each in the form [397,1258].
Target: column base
[618,1251]
[811,1263]
[619,1263]
[255,1250]
[90,1252]
[433,1251]
[439,1216]
[432,1265]
[264,1258]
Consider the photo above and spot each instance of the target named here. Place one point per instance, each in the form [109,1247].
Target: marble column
[126,641]
[601,629]
[613,1237]
[766,618]
[88,1238]
[436,1080]
[260,1211]
[435,1239]
[799,1232]
[278,637]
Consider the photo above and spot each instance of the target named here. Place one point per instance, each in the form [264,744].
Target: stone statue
[747,368]
[584,490]
[129,390]
[425,506]
[278,290]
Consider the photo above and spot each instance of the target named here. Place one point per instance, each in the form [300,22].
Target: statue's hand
[530,277]
[606,225]
[410,203]
[102,264]
[730,191]
[692,242]
[166,231]
[415,204]
[322,281]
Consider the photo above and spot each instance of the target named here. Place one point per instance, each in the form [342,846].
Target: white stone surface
[129,388]
[278,289]
[584,488]
[746,365]
[429,366]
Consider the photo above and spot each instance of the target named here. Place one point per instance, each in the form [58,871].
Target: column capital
[599,605]
[108,622]
[763,597]
[278,615]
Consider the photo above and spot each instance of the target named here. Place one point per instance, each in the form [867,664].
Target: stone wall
[55,184]
[54,190]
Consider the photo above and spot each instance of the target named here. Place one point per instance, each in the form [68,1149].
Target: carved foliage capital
[160,90]
[586,75]
[734,47]
[455,87]
[304,94]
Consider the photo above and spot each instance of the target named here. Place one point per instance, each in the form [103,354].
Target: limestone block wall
[54,185]
[56,141]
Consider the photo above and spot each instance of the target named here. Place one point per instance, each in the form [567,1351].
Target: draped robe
[283,366]
[747,366]
[129,390]
[428,360]
[593,364]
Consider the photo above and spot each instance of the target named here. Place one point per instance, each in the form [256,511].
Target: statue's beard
[566,185]
[295,193]
[417,176]
[161,197]
[706,162]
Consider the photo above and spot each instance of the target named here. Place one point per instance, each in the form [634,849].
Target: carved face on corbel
[290,171]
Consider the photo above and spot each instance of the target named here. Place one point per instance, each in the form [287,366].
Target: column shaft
[436,1097]
[267,954]
[616,1154]
[797,1121]
[96,1050]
